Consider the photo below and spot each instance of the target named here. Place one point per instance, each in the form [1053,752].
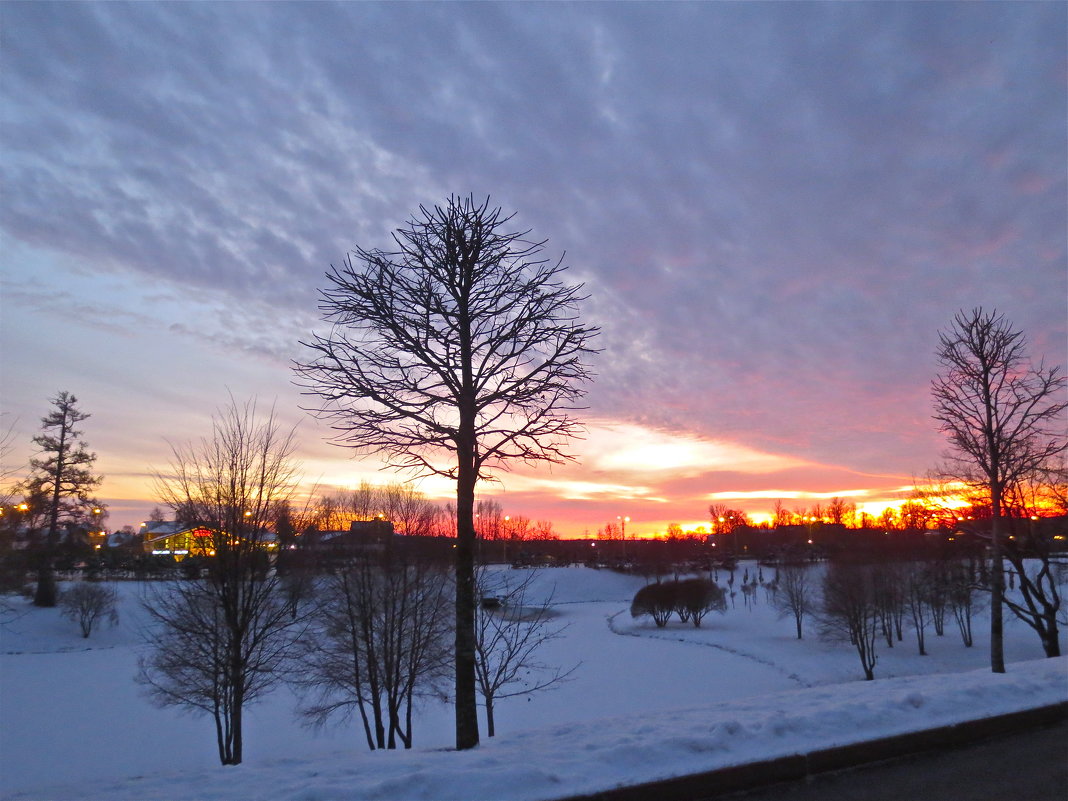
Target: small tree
[510,630]
[962,598]
[917,596]
[889,588]
[60,483]
[1003,419]
[377,644]
[459,351]
[86,604]
[794,596]
[938,584]
[1040,570]
[219,643]
[851,610]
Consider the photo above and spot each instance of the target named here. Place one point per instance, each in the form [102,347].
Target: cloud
[624,448]
[774,207]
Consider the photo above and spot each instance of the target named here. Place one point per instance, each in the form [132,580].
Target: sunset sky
[774,207]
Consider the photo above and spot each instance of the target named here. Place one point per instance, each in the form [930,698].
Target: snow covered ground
[645,703]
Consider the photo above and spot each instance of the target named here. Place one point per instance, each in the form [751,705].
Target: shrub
[696,597]
[657,600]
[88,603]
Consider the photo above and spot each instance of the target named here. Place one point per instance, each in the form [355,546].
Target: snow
[644,703]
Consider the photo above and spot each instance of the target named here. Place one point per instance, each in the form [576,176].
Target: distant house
[172,538]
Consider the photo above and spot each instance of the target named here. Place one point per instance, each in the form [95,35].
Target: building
[172,538]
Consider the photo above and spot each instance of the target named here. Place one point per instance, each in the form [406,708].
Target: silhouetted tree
[889,587]
[463,342]
[219,642]
[378,642]
[851,610]
[696,597]
[59,485]
[85,604]
[794,595]
[1003,419]
[510,630]
[962,598]
[656,600]
[917,592]
[1041,572]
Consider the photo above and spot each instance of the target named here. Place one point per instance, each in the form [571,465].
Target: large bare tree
[456,352]
[1003,418]
[218,643]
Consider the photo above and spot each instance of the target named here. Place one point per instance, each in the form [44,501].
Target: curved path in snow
[734,651]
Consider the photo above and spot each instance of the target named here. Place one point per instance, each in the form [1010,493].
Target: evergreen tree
[61,480]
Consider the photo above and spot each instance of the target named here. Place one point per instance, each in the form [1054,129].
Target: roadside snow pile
[563,760]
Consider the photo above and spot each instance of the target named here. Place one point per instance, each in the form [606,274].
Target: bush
[88,603]
[657,600]
[696,597]
[690,599]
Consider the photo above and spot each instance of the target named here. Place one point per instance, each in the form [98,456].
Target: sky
[774,209]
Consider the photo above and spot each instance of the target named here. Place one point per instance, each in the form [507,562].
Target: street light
[623,529]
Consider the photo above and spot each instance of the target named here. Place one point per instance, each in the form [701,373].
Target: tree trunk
[45,594]
[997,585]
[1051,640]
[490,729]
[466,687]
[236,735]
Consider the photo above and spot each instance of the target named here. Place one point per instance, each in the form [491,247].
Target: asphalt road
[1027,766]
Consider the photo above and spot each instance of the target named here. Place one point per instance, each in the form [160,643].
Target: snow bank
[565,760]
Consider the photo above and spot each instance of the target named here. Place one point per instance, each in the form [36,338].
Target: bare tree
[725,520]
[1040,571]
[463,343]
[782,515]
[889,587]
[851,610]
[794,596]
[219,643]
[86,604]
[8,470]
[510,630]
[938,586]
[363,502]
[962,597]
[377,644]
[489,520]
[917,592]
[840,511]
[1003,419]
[408,509]
[60,483]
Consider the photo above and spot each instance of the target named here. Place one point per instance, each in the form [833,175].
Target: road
[1031,765]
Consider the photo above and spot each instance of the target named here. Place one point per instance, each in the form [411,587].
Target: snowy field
[645,703]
